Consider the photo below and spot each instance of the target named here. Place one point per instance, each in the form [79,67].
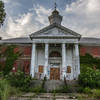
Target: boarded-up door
[54,73]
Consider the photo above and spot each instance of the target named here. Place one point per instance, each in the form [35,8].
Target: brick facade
[24,60]
[92,50]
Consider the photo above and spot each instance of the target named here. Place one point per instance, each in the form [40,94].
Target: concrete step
[53,84]
[45,96]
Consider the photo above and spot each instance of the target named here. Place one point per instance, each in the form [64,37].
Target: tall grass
[4,90]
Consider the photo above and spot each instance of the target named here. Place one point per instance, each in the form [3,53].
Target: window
[40,69]
[68,69]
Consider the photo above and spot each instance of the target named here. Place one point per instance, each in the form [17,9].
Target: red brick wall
[23,61]
[92,50]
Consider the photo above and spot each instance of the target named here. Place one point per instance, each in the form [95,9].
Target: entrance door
[54,73]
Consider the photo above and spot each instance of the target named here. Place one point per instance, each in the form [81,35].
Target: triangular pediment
[55,30]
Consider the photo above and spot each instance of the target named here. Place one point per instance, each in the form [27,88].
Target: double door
[54,73]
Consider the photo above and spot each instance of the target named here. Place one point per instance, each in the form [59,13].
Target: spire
[55,17]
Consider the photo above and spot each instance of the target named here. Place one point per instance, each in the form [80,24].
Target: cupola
[55,17]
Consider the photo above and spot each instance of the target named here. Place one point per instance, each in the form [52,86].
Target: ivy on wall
[90,60]
[8,56]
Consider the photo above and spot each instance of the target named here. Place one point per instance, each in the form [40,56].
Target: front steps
[45,96]
[53,85]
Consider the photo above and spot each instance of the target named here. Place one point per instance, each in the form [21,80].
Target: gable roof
[67,32]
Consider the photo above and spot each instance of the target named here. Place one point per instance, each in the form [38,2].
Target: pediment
[55,31]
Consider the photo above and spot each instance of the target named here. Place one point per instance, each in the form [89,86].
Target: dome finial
[55,5]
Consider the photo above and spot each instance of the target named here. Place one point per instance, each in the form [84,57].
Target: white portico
[55,52]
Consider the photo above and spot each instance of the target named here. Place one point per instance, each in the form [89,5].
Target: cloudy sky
[27,16]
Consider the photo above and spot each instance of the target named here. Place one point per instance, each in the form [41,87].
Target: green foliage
[90,60]
[96,93]
[2,13]
[87,90]
[90,71]
[89,77]
[10,58]
[38,89]
[19,80]
[4,90]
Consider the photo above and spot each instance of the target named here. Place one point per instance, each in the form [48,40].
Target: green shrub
[89,77]
[80,89]
[37,89]
[4,90]
[19,80]
[90,60]
[96,93]
[87,90]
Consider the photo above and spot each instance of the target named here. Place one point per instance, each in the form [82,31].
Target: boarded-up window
[40,69]
[68,69]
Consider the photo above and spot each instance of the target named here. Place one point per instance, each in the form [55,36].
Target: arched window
[54,54]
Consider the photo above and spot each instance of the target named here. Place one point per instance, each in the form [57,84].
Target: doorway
[54,73]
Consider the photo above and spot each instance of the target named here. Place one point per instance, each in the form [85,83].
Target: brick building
[53,51]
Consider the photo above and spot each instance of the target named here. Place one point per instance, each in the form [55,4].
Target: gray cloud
[81,16]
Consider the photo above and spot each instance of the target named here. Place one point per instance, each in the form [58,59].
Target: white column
[32,68]
[77,61]
[63,60]
[46,60]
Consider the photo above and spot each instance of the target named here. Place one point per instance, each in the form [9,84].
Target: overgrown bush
[96,93]
[19,80]
[89,77]
[87,90]
[4,90]
[90,61]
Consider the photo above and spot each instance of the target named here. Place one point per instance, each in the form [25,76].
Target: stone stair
[53,84]
[73,85]
[45,96]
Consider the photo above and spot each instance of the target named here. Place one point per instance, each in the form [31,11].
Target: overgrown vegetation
[89,78]
[4,90]
[9,57]
[90,72]
[90,61]
[19,80]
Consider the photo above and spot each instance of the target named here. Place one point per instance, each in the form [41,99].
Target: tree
[2,13]
[10,57]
